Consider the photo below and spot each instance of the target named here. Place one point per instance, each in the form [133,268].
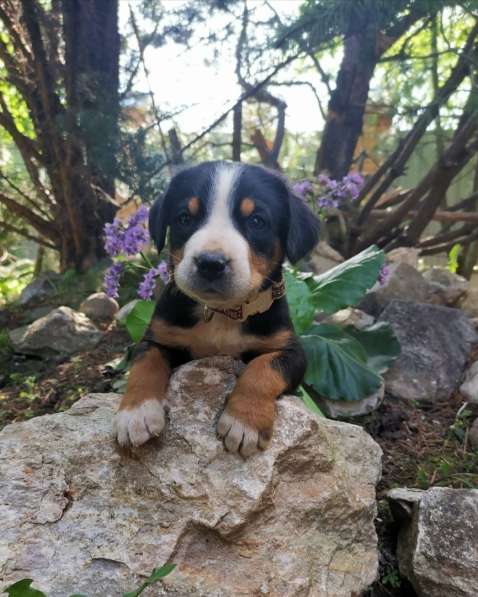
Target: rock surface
[403,282]
[446,288]
[99,307]
[437,545]
[40,288]
[62,332]
[469,387]
[78,516]
[473,434]
[470,302]
[407,255]
[435,343]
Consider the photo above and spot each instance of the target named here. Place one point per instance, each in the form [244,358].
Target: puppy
[230,227]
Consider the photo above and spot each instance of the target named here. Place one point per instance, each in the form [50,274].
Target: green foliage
[15,274]
[23,588]
[344,363]
[138,319]
[453,256]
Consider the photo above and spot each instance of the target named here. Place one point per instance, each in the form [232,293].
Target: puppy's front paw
[241,437]
[135,426]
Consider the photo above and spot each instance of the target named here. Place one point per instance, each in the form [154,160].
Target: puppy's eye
[257,222]
[184,219]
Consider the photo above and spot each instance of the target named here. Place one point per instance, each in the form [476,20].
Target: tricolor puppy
[230,228]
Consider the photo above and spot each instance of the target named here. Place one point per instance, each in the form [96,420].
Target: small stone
[446,288]
[469,304]
[40,288]
[324,257]
[469,388]
[343,409]
[62,332]
[406,255]
[350,316]
[99,307]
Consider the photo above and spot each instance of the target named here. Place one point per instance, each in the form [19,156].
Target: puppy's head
[231,225]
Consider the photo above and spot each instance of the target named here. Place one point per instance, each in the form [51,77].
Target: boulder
[344,409]
[80,516]
[435,343]
[324,257]
[469,304]
[403,282]
[469,387]
[62,332]
[437,543]
[445,288]
[40,288]
[99,307]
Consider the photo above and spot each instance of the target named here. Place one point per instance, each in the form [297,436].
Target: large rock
[79,516]
[40,288]
[407,255]
[438,540]
[62,332]
[435,343]
[445,287]
[403,282]
[100,307]
[469,387]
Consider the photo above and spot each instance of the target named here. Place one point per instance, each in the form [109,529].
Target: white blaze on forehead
[219,234]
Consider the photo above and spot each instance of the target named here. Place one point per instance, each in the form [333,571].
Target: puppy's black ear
[303,232]
[158,224]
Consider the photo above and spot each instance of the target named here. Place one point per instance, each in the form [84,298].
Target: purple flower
[302,187]
[112,278]
[323,180]
[128,239]
[147,286]
[383,275]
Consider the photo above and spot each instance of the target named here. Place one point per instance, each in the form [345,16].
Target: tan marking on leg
[141,412]
[193,206]
[247,422]
[247,207]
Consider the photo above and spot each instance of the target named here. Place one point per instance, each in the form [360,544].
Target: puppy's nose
[211,266]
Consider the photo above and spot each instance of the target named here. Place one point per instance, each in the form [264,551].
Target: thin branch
[44,227]
[25,234]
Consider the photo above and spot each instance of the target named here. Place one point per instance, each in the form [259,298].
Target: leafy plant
[344,363]
[23,587]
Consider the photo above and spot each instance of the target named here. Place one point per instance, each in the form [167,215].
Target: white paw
[134,427]
[239,437]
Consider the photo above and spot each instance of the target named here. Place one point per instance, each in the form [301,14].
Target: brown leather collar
[260,304]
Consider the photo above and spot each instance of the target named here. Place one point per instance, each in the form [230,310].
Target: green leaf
[301,302]
[344,285]
[139,318]
[309,401]
[380,344]
[22,588]
[453,258]
[156,575]
[337,364]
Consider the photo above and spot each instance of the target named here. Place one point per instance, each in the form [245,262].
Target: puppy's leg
[141,412]
[247,422]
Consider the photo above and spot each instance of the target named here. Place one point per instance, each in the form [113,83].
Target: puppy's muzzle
[212,267]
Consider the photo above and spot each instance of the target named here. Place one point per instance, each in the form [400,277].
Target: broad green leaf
[337,364]
[156,575]
[22,588]
[380,344]
[344,285]
[309,401]
[301,302]
[138,319]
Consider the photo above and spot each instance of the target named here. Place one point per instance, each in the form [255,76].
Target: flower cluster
[331,193]
[129,238]
[124,240]
[384,275]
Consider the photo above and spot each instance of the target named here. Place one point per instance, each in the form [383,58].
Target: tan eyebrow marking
[193,206]
[247,207]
